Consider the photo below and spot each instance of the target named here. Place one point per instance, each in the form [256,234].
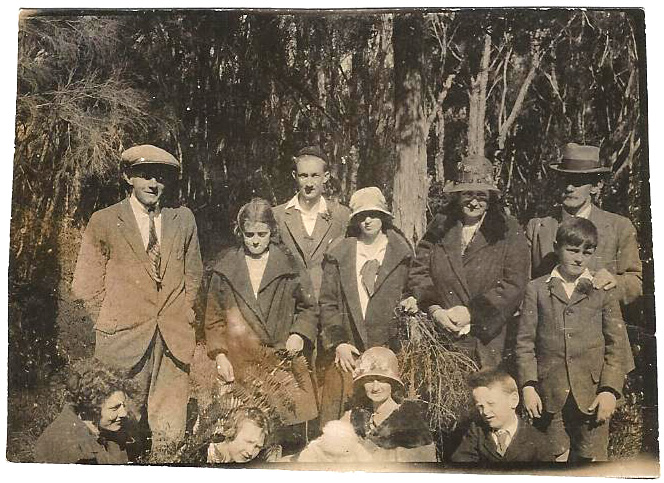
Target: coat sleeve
[193,266]
[526,361]
[215,317]
[88,284]
[331,318]
[468,449]
[306,310]
[420,284]
[615,341]
[629,271]
[490,310]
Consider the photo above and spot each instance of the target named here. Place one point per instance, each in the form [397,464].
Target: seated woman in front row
[92,427]
[381,427]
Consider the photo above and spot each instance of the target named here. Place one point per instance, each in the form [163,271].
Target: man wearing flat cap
[616,262]
[138,272]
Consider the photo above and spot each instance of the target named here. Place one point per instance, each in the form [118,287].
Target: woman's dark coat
[489,278]
[236,321]
[340,310]
[341,313]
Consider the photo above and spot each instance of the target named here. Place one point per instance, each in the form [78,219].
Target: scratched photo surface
[384,240]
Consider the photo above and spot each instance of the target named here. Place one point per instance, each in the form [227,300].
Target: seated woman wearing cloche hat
[363,279]
[393,428]
[382,427]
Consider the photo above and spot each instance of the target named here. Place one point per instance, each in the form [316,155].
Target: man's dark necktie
[153,251]
[368,274]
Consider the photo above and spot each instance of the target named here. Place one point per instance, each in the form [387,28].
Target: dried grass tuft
[435,371]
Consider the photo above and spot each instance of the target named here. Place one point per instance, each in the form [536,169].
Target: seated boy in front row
[571,349]
[501,437]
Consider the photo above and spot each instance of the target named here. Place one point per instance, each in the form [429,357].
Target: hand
[459,315]
[605,403]
[604,279]
[532,402]
[344,357]
[410,305]
[225,368]
[440,316]
[294,344]
[191,317]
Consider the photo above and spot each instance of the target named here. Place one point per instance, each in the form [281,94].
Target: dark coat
[489,279]
[236,321]
[235,317]
[617,249]
[69,440]
[340,310]
[528,445]
[570,345]
[309,250]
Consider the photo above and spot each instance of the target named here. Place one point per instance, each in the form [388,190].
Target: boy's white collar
[555,273]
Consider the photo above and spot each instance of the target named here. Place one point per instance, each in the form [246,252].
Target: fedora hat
[148,154]
[475,173]
[581,159]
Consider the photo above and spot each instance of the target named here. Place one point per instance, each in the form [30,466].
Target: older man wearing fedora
[138,272]
[616,262]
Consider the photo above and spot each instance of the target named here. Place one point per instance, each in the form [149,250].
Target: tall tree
[411,182]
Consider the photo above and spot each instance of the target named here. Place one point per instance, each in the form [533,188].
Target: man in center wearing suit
[309,222]
[138,273]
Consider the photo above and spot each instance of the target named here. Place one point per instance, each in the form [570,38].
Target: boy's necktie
[501,438]
[368,274]
[153,251]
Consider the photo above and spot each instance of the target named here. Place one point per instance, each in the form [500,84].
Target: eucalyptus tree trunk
[411,184]
[477,102]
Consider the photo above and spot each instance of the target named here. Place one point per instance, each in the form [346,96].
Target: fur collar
[405,427]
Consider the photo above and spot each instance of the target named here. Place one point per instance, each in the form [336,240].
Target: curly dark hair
[91,382]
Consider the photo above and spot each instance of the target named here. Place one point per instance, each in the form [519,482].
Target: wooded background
[395,98]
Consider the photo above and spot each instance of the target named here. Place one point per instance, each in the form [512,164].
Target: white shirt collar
[585,212]
[555,273]
[295,203]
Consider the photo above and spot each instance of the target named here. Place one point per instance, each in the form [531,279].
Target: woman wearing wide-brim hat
[363,279]
[471,267]
[393,428]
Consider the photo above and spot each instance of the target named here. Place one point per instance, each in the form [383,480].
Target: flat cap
[148,154]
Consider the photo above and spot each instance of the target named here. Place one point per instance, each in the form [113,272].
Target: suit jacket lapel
[348,274]
[129,229]
[237,274]
[394,254]
[490,446]
[169,228]
[277,266]
[475,246]
[293,222]
[323,224]
[451,244]
[556,289]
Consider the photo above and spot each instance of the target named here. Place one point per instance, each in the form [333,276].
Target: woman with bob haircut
[92,427]
[471,267]
[258,297]
[364,275]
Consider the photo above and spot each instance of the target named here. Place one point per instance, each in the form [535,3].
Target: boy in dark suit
[570,349]
[501,436]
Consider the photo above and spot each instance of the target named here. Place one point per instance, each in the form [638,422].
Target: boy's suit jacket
[570,345]
[112,277]
[527,445]
[309,250]
[617,249]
